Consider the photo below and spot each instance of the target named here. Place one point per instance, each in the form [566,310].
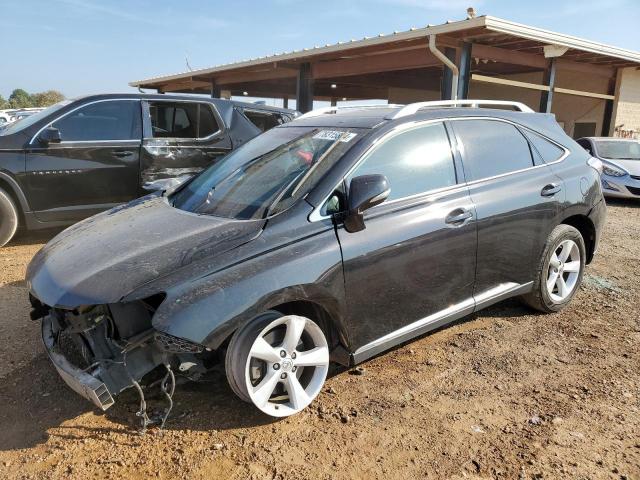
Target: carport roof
[484,30]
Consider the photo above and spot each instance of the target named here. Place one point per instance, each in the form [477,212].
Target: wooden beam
[511,83]
[587,68]
[255,76]
[385,62]
[504,55]
[581,93]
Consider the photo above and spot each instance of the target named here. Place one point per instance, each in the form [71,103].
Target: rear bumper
[86,385]
[598,215]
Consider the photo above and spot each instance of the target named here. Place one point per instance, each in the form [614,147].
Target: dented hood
[104,258]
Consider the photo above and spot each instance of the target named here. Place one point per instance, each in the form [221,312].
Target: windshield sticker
[335,135]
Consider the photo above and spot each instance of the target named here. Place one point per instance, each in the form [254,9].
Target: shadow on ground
[36,403]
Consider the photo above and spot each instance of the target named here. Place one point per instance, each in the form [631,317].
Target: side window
[414,161]
[182,120]
[549,152]
[102,121]
[492,148]
[586,144]
[264,120]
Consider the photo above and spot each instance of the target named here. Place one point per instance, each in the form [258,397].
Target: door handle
[458,216]
[550,190]
[123,153]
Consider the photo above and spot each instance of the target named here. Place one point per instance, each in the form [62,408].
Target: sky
[90,46]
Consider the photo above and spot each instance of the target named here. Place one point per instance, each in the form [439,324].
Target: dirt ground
[504,394]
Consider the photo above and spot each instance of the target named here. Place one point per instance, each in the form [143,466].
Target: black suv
[334,237]
[82,156]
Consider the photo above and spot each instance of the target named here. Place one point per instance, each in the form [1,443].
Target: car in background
[334,237]
[621,164]
[80,157]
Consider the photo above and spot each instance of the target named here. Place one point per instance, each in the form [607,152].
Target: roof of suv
[370,117]
[192,98]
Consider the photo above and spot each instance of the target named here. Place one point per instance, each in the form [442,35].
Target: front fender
[207,310]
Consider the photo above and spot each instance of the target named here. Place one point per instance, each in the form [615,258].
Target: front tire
[278,362]
[8,218]
[560,270]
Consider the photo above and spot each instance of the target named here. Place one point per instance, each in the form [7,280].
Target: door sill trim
[438,319]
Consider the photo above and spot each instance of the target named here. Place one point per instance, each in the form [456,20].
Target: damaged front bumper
[102,350]
[89,386]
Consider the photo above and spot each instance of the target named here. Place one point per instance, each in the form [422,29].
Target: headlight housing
[612,170]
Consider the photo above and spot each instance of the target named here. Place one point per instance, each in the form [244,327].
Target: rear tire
[559,273]
[278,362]
[8,218]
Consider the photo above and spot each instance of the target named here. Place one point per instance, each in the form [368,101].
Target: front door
[414,264]
[181,138]
[93,168]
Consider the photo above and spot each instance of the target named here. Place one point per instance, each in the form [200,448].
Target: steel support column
[285,102]
[465,71]
[447,75]
[215,90]
[546,98]
[304,89]
[608,108]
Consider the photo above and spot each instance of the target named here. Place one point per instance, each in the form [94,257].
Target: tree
[44,99]
[19,98]
[3,103]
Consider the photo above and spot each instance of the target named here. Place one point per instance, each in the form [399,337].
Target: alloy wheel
[564,271]
[287,365]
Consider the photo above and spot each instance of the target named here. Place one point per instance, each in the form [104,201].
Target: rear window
[492,148]
[264,120]
[182,120]
[547,151]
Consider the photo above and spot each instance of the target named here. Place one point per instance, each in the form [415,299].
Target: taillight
[596,164]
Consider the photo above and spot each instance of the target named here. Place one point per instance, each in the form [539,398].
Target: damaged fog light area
[100,351]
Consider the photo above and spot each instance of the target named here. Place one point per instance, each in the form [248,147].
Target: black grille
[634,190]
[635,177]
[172,344]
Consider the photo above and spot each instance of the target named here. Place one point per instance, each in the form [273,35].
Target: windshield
[267,174]
[619,150]
[31,119]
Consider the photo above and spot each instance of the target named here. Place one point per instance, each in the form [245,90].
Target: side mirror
[50,135]
[365,191]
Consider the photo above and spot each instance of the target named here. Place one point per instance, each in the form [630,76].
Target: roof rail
[324,110]
[414,107]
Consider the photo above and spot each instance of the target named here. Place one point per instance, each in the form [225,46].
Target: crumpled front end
[99,351]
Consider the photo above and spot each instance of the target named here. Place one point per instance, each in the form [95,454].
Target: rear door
[181,138]
[264,119]
[93,168]
[517,198]
[414,263]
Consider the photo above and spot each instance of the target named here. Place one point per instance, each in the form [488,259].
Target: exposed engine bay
[102,350]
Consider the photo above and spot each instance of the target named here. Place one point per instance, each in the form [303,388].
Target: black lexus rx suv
[82,156]
[330,238]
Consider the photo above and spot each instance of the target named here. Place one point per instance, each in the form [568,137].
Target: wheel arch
[10,185]
[587,229]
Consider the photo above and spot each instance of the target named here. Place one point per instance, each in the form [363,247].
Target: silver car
[621,164]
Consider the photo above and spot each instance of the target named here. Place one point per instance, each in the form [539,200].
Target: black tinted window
[548,151]
[264,120]
[182,120]
[414,161]
[492,148]
[110,120]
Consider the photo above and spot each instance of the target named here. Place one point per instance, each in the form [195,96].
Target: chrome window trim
[216,115]
[421,326]
[60,117]
[316,215]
